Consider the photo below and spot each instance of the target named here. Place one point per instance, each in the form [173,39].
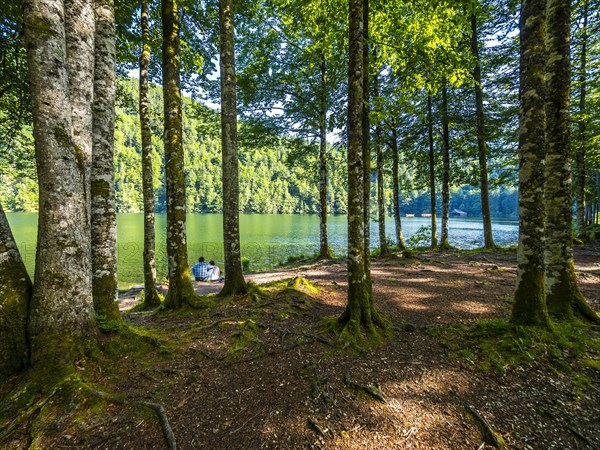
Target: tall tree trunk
[103,212]
[61,317]
[15,293]
[151,297]
[582,144]
[563,296]
[366,149]
[432,191]
[396,189]
[234,277]
[445,168]
[488,238]
[383,246]
[530,299]
[79,35]
[181,291]
[360,311]
[324,250]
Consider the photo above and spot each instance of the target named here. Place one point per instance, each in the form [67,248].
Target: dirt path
[258,375]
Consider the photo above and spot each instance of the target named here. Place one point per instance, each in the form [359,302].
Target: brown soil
[285,388]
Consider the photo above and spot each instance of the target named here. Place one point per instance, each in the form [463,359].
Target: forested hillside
[275,178]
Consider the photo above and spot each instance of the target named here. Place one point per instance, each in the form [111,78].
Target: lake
[267,239]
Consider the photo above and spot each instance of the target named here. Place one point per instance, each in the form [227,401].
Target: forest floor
[259,371]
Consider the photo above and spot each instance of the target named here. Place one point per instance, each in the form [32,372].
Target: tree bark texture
[181,291]
[15,294]
[360,311]
[324,251]
[151,297]
[103,212]
[383,246]
[432,190]
[61,315]
[488,238]
[530,299]
[563,296]
[366,148]
[582,131]
[80,33]
[396,189]
[445,168]
[234,277]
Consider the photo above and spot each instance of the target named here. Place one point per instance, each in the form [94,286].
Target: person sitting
[215,272]
[201,270]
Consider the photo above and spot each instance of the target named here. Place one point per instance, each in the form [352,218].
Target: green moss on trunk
[566,302]
[530,301]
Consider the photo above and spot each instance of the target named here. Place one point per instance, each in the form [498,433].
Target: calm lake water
[267,239]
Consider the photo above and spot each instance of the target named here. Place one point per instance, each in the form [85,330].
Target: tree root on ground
[29,400]
[370,390]
[488,434]
[156,407]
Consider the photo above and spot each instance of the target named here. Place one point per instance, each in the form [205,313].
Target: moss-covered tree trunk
[181,291]
[151,297]
[61,316]
[234,277]
[366,148]
[488,238]
[360,312]
[324,251]
[580,177]
[445,168]
[432,190]
[15,294]
[103,212]
[563,296]
[396,188]
[383,245]
[530,299]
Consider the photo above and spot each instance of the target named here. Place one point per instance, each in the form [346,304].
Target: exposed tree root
[156,407]
[370,390]
[319,339]
[216,322]
[489,435]
[22,416]
[316,427]
[31,396]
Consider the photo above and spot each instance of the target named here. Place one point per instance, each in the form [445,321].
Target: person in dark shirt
[201,270]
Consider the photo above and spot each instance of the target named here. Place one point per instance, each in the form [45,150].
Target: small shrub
[245,264]
[422,237]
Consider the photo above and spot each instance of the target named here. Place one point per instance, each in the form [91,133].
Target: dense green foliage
[279,177]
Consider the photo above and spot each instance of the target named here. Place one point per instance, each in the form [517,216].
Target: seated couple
[206,272]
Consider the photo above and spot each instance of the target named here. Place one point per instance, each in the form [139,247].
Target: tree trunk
[360,311]
[383,246]
[366,149]
[445,168]
[530,300]
[79,34]
[234,277]
[181,291]
[61,317]
[15,293]
[488,238]
[563,296]
[324,250]
[103,212]
[396,189]
[151,297]
[582,147]
[432,191]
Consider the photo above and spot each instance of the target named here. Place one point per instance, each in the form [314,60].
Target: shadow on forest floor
[260,373]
